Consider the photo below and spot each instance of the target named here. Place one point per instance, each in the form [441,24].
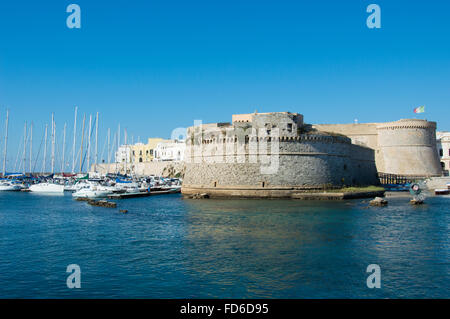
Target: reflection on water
[280,248]
[168,247]
[45,194]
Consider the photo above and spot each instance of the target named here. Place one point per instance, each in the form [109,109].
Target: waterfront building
[123,154]
[170,150]
[443,149]
[144,153]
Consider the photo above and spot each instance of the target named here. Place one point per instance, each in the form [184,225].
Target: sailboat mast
[64,149]
[82,138]
[31,147]
[118,145]
[6,143]
[74,139]
[44,163]
[96,143]
[89,144]
[53,143]
[118,138]
[24,148]
[126,152]
[109,146]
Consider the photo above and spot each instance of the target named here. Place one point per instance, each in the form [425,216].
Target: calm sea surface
[169,247]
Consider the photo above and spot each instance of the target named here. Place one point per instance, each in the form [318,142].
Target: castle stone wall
[408,147]
[307,162]
[268,156]
[404,147]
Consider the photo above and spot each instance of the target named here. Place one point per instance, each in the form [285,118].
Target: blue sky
[153,66]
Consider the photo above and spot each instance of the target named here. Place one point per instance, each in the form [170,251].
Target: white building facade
[123,154]
[443,148]
[171,150]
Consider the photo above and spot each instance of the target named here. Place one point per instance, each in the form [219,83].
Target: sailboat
[47,187]
[6,185]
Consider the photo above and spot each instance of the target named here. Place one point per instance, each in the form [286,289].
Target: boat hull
[47,188]
[9,188]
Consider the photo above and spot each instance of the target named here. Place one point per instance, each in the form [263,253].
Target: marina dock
[142,194]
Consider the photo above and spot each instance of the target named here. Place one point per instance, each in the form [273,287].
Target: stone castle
[406,147]
[277,155]
[272,155]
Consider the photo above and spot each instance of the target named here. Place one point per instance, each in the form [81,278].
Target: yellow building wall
[144,153]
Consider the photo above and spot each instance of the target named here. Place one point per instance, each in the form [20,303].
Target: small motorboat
[47,188]
[91,192]
[442,191]
[123,186]
[9,186]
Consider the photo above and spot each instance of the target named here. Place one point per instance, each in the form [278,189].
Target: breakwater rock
[100,203]
[378,201]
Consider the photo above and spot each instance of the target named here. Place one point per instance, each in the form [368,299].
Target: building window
[140,159]
[443,165]
[289,127]
[441,152]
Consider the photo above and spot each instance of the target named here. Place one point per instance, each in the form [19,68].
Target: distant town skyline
[154,66]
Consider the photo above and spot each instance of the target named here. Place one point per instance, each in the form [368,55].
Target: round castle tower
[408,147]
[271,155]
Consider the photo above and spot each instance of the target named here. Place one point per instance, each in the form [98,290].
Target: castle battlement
[268,139]
[407,124]
[405,147]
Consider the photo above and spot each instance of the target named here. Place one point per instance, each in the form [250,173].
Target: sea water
[170,247]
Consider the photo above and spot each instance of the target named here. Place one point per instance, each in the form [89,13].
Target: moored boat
[442,191]
[91,192]
[47,188]
[9,186]
[126,186]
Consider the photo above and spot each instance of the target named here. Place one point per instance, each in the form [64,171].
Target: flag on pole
[420,109]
